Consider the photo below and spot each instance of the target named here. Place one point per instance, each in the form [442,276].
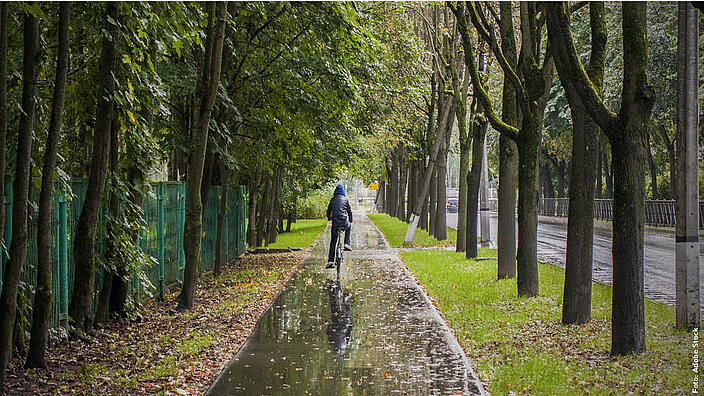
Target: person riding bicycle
[340,212]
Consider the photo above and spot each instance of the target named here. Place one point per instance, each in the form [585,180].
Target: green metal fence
[164,213]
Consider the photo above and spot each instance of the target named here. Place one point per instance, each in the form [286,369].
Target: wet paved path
[372,332]
[658,255]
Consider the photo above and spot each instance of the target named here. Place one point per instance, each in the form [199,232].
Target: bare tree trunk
[18,244]
[473,179]
[576,307]
[221,219]
[43,296]
[609,173]
[207,93]
[508,156]
[252,209]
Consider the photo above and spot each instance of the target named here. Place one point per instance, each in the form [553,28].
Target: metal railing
[658,212]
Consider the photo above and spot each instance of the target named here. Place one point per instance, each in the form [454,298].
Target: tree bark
[43,295]
[217,268]
[252,207]
[465,142]
[473,181]
[561,172]
[102,314]
[508,155]
[22,185]
[81,308]
[3,111]
[207,93]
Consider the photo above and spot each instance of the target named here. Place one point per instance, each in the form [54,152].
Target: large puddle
[369,332]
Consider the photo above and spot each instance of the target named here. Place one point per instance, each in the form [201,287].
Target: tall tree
[206,94]
[508,153]
[3,111]
[21,187]
[576,307]
[43,293]
[532,82]
[81,307]
[626,132]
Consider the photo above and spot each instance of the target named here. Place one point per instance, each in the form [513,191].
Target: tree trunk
[561,172]
[547,186]
[42,297]
[432,209]
[403,183]
[381,204]
[207,92]
[252,207]
[508,156]
[424,188]
[3,113]
[81,308]
[473,181]
[527,255]
[576,307]
[102,314]
[263,206]
[217,268]
[22,184]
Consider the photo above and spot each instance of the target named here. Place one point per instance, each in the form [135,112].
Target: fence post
[181,224]
[160,236]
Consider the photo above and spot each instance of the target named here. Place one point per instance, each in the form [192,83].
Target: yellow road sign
[373,186]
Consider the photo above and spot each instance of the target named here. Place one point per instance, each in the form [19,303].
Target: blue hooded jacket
[339,210]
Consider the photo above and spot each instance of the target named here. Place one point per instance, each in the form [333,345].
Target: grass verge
[395,230]
[166,352]
[519,346]
[302,234]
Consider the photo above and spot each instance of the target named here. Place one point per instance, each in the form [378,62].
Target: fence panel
[163,212]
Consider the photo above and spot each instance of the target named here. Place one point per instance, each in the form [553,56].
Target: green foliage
[314,205]
[495,328]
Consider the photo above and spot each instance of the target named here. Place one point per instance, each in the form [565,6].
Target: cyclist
[340,212]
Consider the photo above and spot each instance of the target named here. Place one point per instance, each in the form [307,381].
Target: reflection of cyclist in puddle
[340,327]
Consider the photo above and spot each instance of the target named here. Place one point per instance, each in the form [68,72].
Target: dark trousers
[333,239]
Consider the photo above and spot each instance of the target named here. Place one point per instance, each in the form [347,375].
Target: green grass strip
[519,346]
[302,235]
[395,230]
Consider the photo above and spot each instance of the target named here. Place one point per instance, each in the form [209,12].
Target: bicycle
[339,249]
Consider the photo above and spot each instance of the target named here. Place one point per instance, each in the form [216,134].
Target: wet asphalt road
[372,331]
[658,255]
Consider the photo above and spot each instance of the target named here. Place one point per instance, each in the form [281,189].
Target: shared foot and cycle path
[372,331]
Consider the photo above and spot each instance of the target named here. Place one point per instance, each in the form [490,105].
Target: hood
[339,190]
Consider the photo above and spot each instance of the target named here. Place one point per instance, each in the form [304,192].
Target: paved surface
[658,255]
[373,331]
